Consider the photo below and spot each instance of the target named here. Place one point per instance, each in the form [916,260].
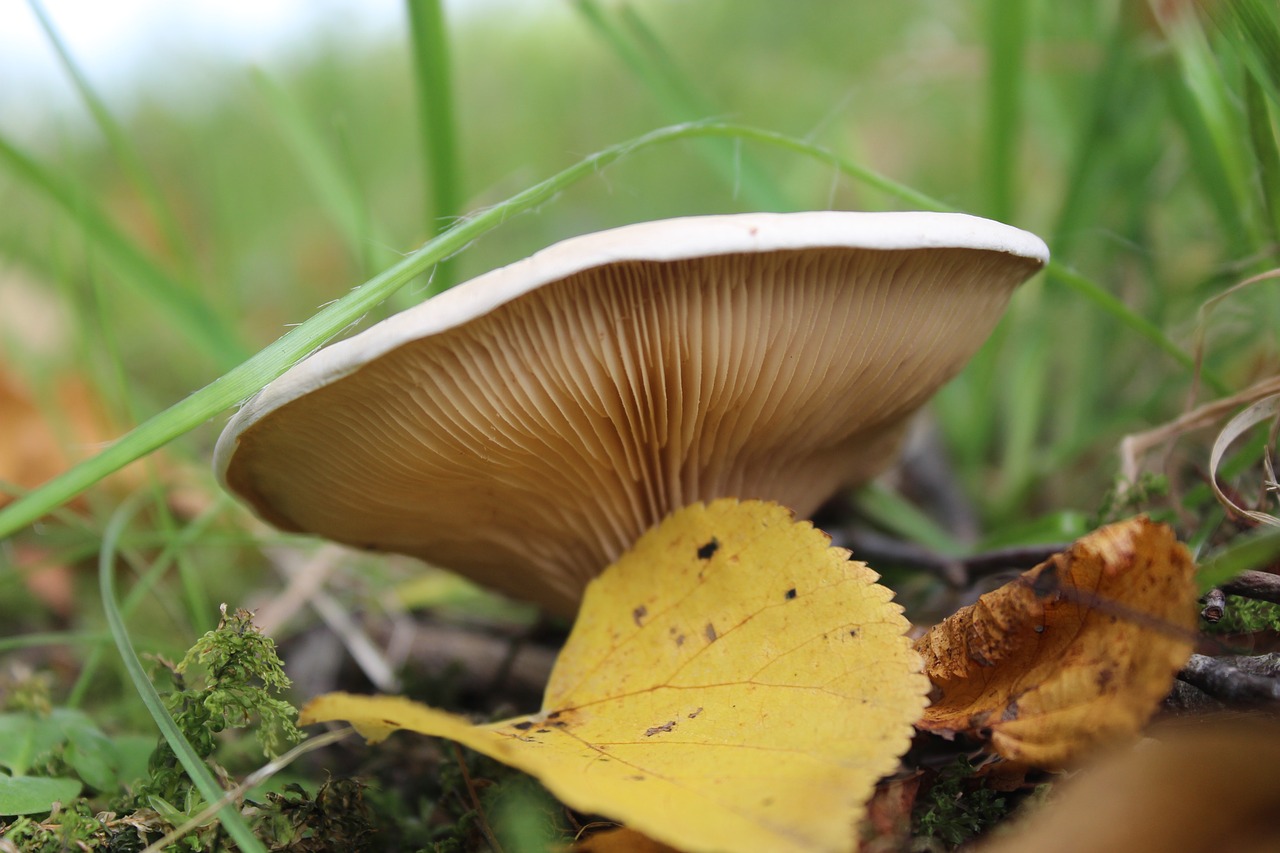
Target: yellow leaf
[732,683]
[1075,653]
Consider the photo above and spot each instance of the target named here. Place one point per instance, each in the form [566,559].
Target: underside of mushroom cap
[526,427]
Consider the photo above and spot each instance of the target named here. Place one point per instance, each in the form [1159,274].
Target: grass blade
[116,138]
[1262,138]
[245,379]
[1254,551]
[50,638]
[439,127]
[174,546]
[1205,107]
[1111,100]
[191,762]
[196,318]
[337,190]
[1094,292]
[891,511]
[1252,28]
[1007,34]
[642,52]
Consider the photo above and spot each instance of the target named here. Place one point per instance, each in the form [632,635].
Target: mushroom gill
[530,446]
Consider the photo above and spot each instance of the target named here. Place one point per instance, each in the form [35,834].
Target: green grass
[189,255]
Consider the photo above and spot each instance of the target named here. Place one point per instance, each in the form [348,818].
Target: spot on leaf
[705,552]
[665,727]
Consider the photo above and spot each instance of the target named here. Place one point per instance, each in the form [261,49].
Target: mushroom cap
[524,428]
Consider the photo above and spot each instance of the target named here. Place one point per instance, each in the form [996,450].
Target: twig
[1215,605]
[1133,448]
[1005,559]
[1219,678]
[304,582]
[956,571]
[475,800]
[1263,586]
[372,662]
[1265,665]
[874,548]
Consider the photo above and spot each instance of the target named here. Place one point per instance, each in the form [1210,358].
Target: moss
[1246,616]
[956,809]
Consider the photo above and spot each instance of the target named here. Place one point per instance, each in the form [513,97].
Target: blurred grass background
[146,250]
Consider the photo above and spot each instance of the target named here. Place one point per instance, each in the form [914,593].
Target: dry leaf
[889,816]
[28,450]
[732,683]
[1266,409]
[621,840]
[39,442]
[1075,653]
[1195,791]
[32,449]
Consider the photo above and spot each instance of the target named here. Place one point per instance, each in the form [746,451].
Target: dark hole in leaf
[1047,583]
[705,552]
[525,726]
[791,593]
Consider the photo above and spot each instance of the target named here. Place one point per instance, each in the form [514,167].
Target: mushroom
[525,428]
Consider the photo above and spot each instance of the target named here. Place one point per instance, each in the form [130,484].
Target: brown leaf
[1075,653]
[1194,790]
[888,823]
[41,439]
[25,443]
[52,583]
[32,447]
[620,840]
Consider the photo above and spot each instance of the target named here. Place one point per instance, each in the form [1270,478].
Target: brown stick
[1215,606]
[956,571]
[1222,680]
[1263,586]
[1266,665]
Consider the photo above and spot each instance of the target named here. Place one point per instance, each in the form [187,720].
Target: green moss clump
[956,809]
